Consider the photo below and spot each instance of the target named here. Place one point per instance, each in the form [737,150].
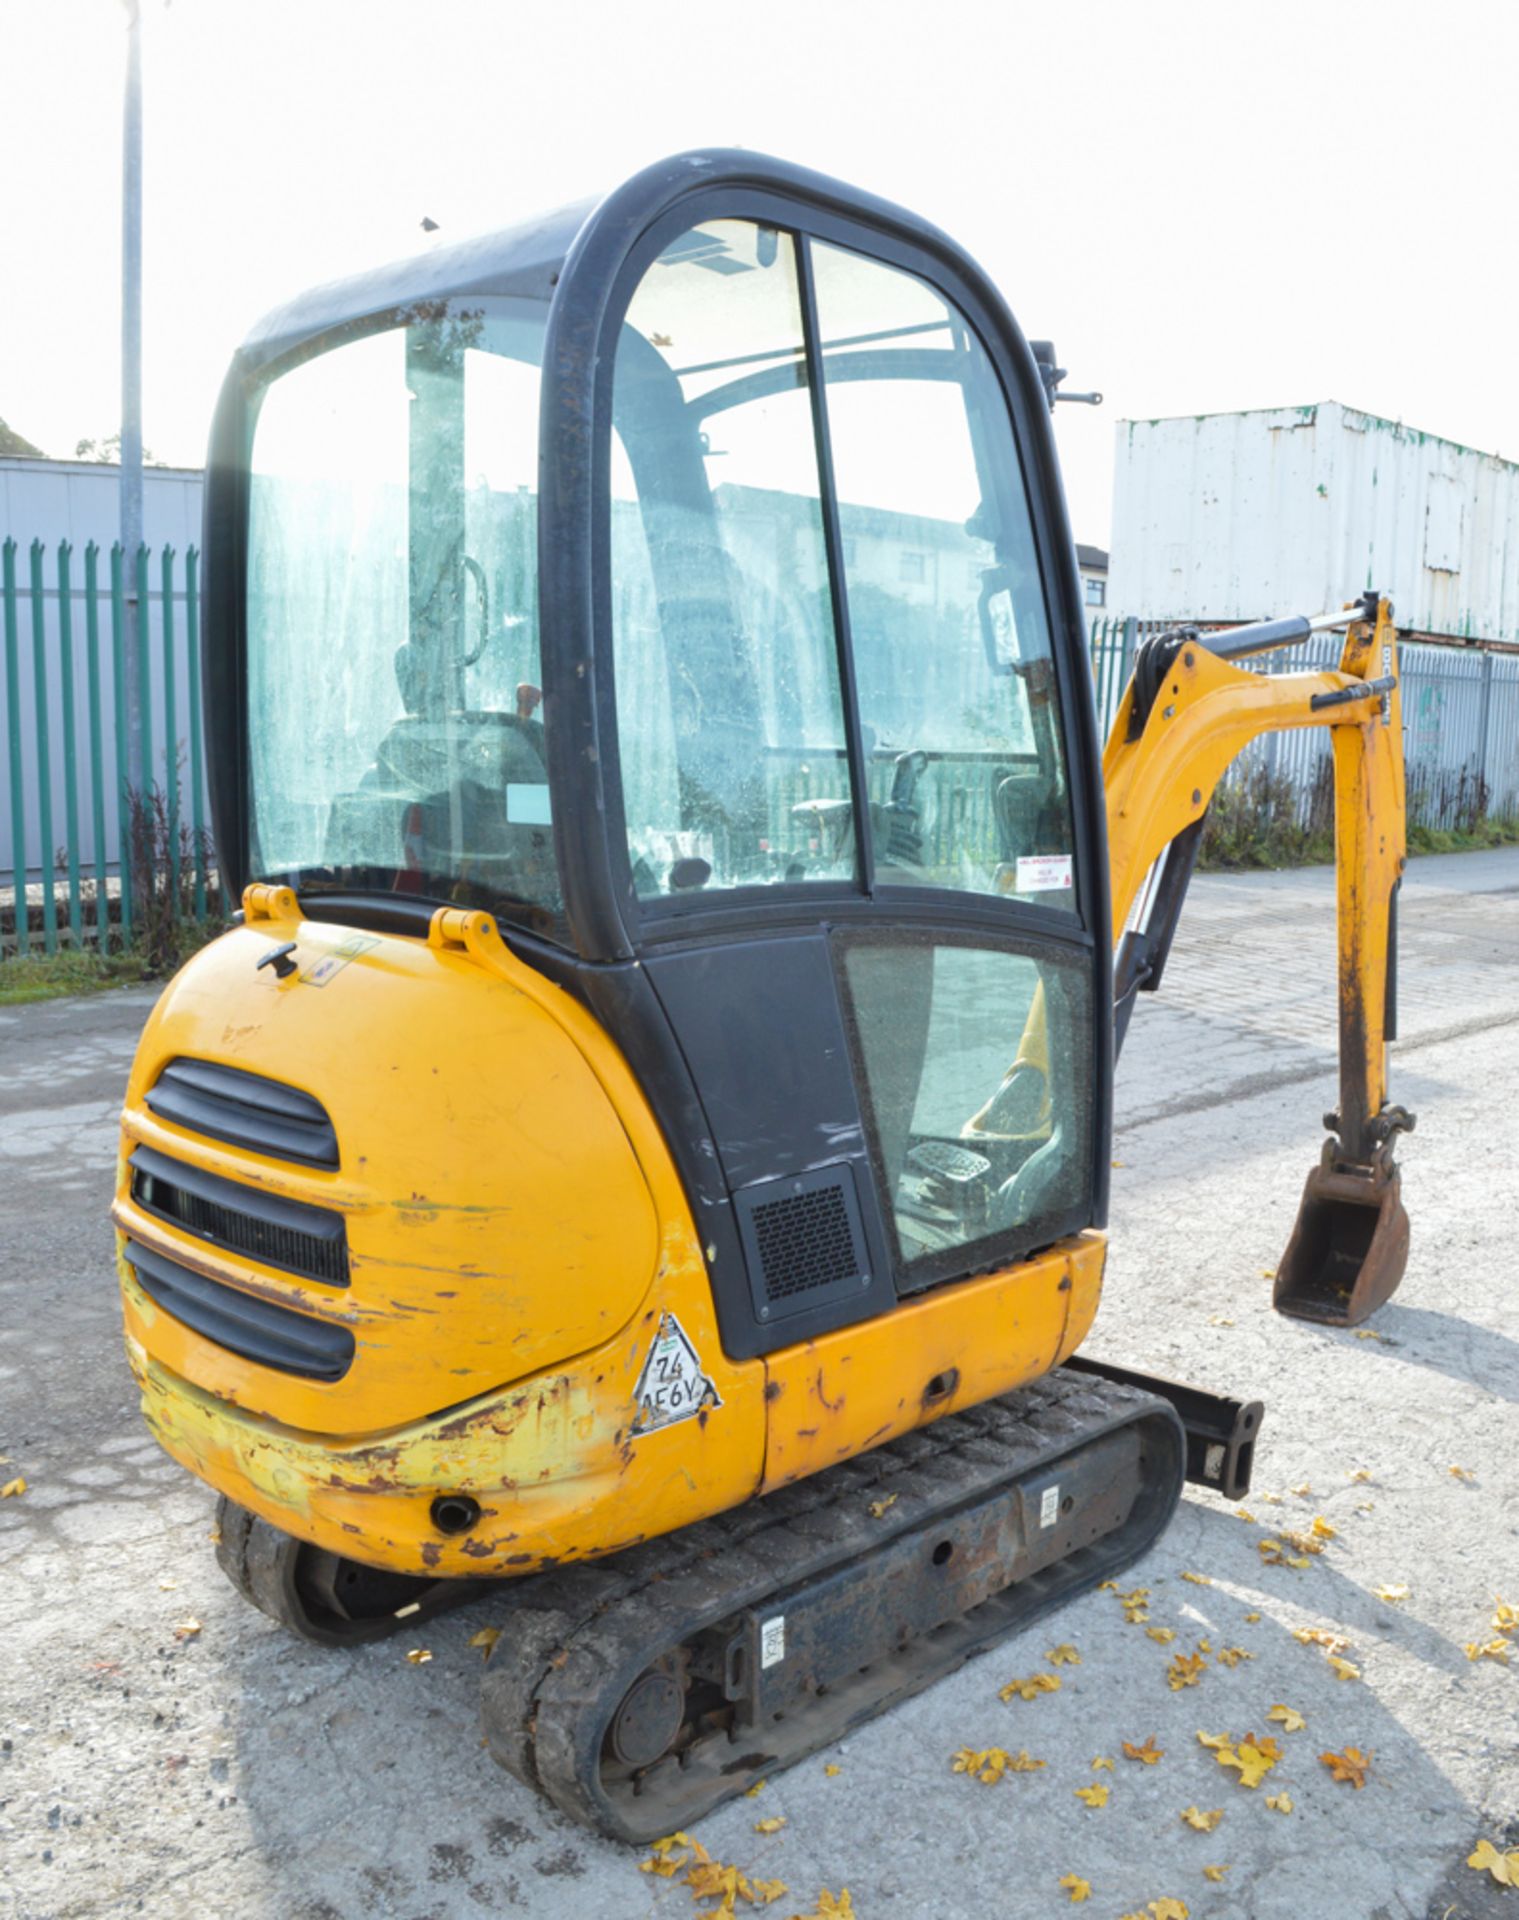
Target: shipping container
[1224,517]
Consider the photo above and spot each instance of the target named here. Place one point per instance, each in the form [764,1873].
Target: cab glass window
[968,786]
[976,1071]
[394,690]
[730,717]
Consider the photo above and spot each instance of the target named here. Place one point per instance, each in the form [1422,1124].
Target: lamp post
[131,384]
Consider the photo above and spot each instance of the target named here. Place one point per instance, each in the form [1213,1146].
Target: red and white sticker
[1044,872]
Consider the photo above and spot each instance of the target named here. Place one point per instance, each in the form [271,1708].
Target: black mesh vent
[802,1240]
[805,1241]
[280,1233]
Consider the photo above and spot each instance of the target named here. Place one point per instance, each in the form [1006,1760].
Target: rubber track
[558,1671]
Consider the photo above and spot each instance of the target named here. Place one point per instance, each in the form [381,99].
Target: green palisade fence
[68,799]
[64,725]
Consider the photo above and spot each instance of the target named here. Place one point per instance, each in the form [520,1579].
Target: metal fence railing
[71,808]
[1460,724]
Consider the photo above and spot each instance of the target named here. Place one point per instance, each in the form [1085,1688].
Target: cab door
[848,762]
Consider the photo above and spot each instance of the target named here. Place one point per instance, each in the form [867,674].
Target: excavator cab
[698,601]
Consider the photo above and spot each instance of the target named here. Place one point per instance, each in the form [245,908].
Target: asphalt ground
[236,1772]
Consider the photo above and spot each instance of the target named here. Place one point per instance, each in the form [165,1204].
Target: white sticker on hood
[672,1385]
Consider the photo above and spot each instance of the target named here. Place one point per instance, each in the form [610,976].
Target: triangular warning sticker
[672,1385]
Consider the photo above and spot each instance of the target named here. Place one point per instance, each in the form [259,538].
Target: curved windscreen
[741,615]
[395,707]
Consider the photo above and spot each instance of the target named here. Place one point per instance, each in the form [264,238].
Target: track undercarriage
[639,1691]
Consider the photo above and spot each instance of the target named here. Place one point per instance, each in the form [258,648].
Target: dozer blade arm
[1185,716]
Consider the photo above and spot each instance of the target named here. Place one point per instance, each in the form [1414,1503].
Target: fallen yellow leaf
[1290,1720]
[1213,1741]
[1321,1529]
[1149,1754]
[418,1656]
[772,1825]
[1392,1595]
[1462,1473]
[485,1639]
[828,1908]
[1031,1688]
[187,1630]
[1302,1491]
[764,1891]
[214,1535]
[1094,1796]
[1244,1513]
[878,1507]
[1102,1761]
[1252,1758]
[1199,1579]
[1076,1887]
[1271,1499]
[1204,1822]
[1136,1616]
[1214,1873]
[990,1763]
[1063,1656]
[1165,1635]
[832,1771]
[1185,1670]
[1268,1273]
[13,1489]
[1320,1637]
[1279,1802]
[1231,1656]
[1491,1650]
[1344,1669]
[1119,1163]
[1361,1474]
[1504,1867]
[1505,1618]
[1168,1909]
[1251,1618]
[1350,1765]
[1205,1646]
[751,1793]
[1369,1333]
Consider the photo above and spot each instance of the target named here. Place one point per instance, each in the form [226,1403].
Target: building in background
[80,501]
[1093,565]
[1228,517]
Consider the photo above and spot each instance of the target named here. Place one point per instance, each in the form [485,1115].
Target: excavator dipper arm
[1186,715]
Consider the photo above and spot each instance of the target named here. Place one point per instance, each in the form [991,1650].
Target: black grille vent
[244,1108]
[280,1233]
[802,1238]
[271,1335]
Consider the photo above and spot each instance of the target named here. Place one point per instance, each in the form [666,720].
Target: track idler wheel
[1348,1249]
[320,1596]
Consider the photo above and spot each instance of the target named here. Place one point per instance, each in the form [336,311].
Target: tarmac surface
[236,1772]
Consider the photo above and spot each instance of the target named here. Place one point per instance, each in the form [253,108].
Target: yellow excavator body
[504,1290]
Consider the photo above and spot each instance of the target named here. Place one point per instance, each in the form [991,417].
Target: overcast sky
[1205,206]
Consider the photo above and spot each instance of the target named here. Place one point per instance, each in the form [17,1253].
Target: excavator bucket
[1348,1249]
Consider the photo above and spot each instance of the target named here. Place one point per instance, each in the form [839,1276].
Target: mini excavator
[652,737]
